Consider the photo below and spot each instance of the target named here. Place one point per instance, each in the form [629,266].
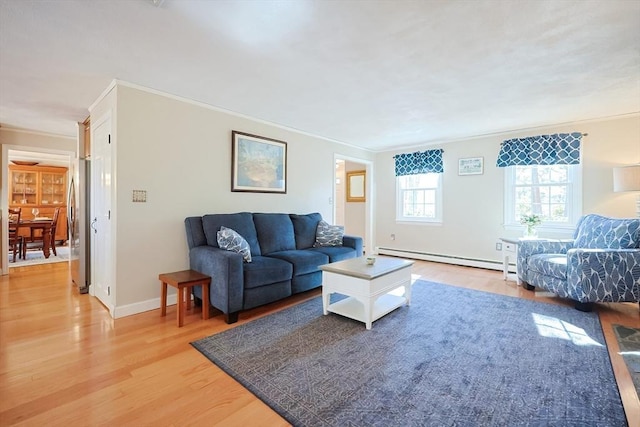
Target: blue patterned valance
[556,149]
[429,161]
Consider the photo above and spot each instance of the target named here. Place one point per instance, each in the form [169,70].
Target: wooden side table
[509,250]
[183,281]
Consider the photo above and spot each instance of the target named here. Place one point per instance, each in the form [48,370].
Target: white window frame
[400,218]
[574,205]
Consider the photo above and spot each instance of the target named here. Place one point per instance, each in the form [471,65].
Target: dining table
[43,224]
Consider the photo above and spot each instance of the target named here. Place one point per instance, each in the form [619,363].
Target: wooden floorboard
[64,361]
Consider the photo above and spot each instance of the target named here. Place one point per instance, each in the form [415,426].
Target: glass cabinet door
[52,188]
[24,188]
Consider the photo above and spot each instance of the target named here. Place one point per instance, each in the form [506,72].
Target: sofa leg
[231,317]
[584,306]
[528,286]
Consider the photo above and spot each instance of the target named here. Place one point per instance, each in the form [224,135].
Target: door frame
[4,192]
[369,234]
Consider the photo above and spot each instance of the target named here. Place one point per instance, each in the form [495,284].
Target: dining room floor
[36,257]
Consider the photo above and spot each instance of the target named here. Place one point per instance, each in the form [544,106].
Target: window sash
[425,199]
[573,196]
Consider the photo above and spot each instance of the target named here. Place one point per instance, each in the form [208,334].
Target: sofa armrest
[527,248]
[604,274]
[227,278]
[354,242]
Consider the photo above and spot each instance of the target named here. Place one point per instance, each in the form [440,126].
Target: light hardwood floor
[64,361]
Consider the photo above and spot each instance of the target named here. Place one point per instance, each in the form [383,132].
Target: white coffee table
[367,287]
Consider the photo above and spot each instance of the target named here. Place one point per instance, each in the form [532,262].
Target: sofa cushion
[241,222]
[553,265]
[336,253]
[264,271]
[598,232]
[275,232]
[304,227]
[232,241]
[328,235]
[303,261]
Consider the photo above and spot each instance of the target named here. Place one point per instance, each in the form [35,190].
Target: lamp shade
[626,178]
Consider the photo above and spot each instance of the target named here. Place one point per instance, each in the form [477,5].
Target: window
[419,197]
[551,191]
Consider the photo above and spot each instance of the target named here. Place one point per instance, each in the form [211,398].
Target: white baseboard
[142,306]
[446,259]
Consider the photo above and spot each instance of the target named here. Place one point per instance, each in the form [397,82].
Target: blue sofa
[600,264]
[284,260]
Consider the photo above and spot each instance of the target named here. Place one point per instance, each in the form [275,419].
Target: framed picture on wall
[259,164]
[471,166]
[356,186]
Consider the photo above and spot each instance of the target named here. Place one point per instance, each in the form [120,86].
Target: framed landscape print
[471,166]
[259,164]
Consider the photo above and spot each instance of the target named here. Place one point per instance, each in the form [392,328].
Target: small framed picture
[471,166]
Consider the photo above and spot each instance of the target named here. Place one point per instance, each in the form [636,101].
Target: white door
[101,280]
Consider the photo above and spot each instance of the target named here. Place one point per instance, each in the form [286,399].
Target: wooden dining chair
[15,240]
[37,242]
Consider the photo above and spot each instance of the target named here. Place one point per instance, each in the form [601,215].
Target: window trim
[574,194]
[412,220]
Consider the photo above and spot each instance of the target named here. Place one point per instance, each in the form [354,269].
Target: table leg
[368,311]
[205,301]
[187,296]
[180,304]
[407,292]
[505,266]
[163,300]
[326,295]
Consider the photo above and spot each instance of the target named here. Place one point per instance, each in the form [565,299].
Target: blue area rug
[455,357]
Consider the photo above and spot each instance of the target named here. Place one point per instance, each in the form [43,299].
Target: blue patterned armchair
[600,264]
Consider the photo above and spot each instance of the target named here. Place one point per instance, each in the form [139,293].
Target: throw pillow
[232,241]
[329,235]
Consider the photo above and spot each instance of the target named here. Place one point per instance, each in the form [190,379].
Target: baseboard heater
[446,259]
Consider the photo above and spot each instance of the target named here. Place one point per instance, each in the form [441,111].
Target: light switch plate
[140,196]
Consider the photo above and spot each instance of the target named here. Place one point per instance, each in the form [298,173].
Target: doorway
[354,212]
[35,182]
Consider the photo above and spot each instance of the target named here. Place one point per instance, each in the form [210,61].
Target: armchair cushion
[554,265]
[598,232]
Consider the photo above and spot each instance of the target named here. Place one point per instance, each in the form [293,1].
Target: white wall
[23,138]
[473,208]
[180,153]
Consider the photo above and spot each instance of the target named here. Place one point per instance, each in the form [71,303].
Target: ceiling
[374,74]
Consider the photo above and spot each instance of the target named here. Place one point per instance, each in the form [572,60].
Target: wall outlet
[392,237]
[498,246]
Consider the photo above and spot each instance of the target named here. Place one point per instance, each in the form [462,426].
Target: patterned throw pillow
[328,235]
[230,240]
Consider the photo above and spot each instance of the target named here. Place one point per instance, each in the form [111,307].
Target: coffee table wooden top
[358,267]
